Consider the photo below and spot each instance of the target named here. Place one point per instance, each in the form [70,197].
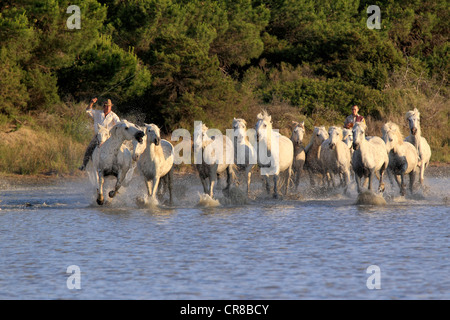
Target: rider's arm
[89,107]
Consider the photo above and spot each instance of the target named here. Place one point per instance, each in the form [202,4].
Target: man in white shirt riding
[104,117]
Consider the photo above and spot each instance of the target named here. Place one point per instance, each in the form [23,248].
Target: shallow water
[308,246]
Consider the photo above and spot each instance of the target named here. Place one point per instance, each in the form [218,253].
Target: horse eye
[126,128]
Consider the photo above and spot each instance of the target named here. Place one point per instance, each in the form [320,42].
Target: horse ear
[302,124]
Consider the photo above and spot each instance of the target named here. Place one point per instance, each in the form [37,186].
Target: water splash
[205,200]
[370,198]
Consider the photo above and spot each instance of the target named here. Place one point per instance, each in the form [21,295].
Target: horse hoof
[112,194]
[100,202]
[275,196]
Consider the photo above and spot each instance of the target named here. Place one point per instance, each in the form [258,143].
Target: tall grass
[46,143]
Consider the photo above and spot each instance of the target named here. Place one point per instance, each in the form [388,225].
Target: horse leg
[229,177]
[204,184]
[266,179]
[155,188]
[297,179]
[370,180]
[422,172]
[288,179]
[101,180]
[358,182]
[412,178]
[120,177]
[402,185]
[311,178]
[381,185]
[331,179]
[275,186]
[249,176]
[162,187]
[212,180]
[346,180]
[169,182]
[149,184]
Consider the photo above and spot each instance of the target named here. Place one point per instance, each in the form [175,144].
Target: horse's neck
[267,142]
[114,143]
[298,146]
[417,138]
[154,151]
[315,148]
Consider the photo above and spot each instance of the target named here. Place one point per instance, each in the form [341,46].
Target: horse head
[239,129]
[153,134]
[320,134]
[102,134]
[359,134]
[391,135]
[336,135]
[298,132]
[413,118]
[126,130]
[263,126]
[203,139]
[347,137]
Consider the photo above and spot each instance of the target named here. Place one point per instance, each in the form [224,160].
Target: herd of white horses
[338,152]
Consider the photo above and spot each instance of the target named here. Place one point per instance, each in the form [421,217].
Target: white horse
[102,135]
[419,142]
[370,157]
[335,157]
[156,162]
[113,158]
[313,163]
[403,156]
[298,132]
[275,153]
[213,164]
[244,152]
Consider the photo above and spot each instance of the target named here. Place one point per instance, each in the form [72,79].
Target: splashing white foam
[206,201]
[371,198]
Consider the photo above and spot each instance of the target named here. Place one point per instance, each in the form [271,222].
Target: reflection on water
[312,245]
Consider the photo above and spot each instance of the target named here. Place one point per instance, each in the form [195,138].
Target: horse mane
[235,120]
[263,115]
[394,128]
[411,113]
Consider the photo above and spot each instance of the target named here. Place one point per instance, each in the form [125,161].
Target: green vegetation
[171,62]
